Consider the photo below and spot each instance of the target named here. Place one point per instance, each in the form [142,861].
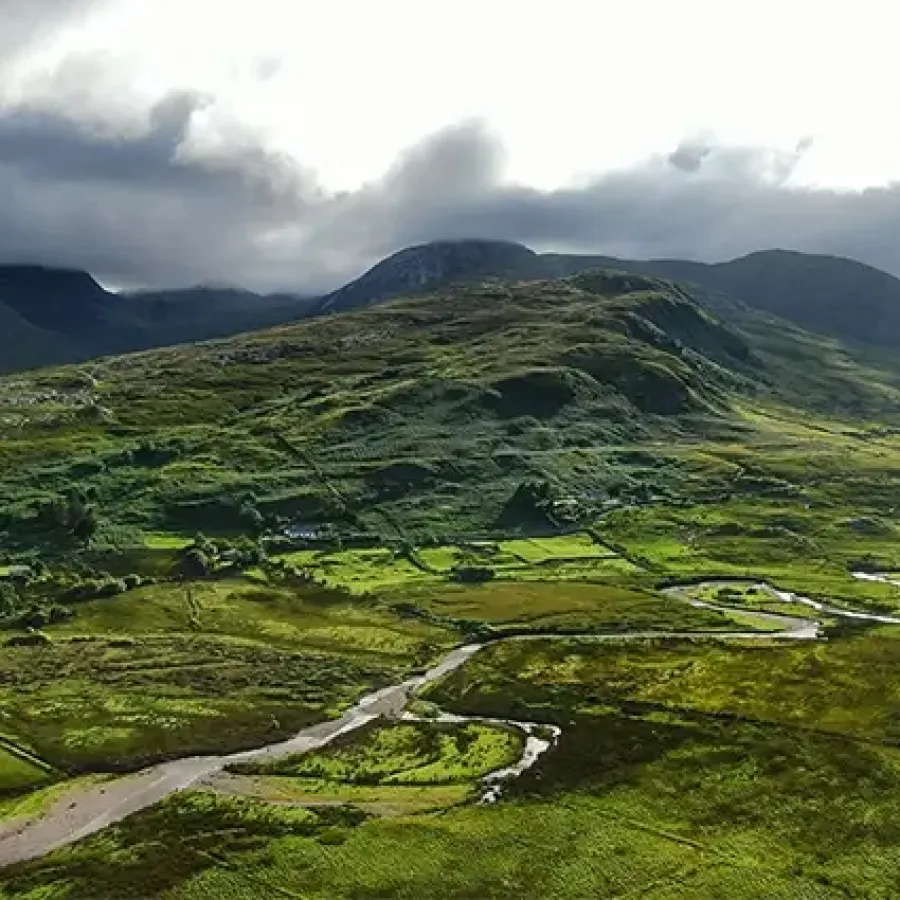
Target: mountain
[64,301]
[204,312]
[50,316]
[828,294]
[426,265]
[22,343]
[433,412]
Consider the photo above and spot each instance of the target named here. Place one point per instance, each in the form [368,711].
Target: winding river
[86,810]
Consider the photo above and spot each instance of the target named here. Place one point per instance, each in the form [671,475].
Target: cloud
[150,207]
[175,192]
[689,155]
[26,22]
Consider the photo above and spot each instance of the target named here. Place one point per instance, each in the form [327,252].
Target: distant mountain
[23,343]
[51,316]
[827,294]
[202,312]
[65,301]
[426,265]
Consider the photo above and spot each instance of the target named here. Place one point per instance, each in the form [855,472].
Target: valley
[277,609]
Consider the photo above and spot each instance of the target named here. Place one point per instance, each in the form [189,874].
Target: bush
[60,614]
[472,574]
[195,563]
[111,587]
[37,639]
[35,618]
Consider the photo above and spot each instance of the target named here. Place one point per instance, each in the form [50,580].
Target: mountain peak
[55,299]
[423,265]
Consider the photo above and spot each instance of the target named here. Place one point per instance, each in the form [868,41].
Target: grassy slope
[145,677]
[684,771]
[484,388]
[406,753]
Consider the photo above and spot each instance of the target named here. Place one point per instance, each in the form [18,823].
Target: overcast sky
[289,144]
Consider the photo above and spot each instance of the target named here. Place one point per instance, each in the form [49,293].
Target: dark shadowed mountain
[59,300]
[23,345]
[50,316]
[425,266]
[203,312]
[827,294]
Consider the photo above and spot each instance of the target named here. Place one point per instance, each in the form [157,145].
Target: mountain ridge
[810,290]
[51,316]
[421,408]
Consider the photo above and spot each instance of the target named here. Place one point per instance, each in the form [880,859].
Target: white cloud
[572,87]
[289,144]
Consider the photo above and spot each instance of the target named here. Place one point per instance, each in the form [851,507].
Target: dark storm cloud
[140,207]
[156,206]
[731,201]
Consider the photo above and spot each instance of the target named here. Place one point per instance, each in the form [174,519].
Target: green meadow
[206,549]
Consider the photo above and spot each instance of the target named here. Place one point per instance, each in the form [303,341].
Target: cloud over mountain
[174,190]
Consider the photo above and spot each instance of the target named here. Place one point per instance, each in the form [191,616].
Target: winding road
[86,810]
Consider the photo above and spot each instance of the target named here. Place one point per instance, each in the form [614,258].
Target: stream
[86,810]
[790,597]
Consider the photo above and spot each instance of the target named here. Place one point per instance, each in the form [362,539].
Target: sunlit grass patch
[381,798]
[166,541]
[36,802]
[147,675]
[564,605]
[242,609]
[361,571]
[416,753]
[538,549]
[19,773]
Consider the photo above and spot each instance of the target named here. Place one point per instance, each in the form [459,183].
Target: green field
[409,753]
[230,542]
[563,606]
[575,557]
[19,773]
[151,675]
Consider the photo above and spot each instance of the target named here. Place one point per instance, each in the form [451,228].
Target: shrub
[36,639]
[472,574]
[60,614]
[111,587]
[35,618]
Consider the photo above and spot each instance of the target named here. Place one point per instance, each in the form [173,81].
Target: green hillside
[825,294]
[206,549]
[414,416]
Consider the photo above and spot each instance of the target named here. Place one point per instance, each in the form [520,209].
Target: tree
[86,525]
[195,563]
[35,618]
[204,545]
[9,599]
[73,513]
[472,574]
[252,518]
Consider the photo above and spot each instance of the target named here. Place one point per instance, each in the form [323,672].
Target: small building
[300,531]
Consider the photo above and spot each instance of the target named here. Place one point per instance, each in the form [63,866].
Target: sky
[290,144]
